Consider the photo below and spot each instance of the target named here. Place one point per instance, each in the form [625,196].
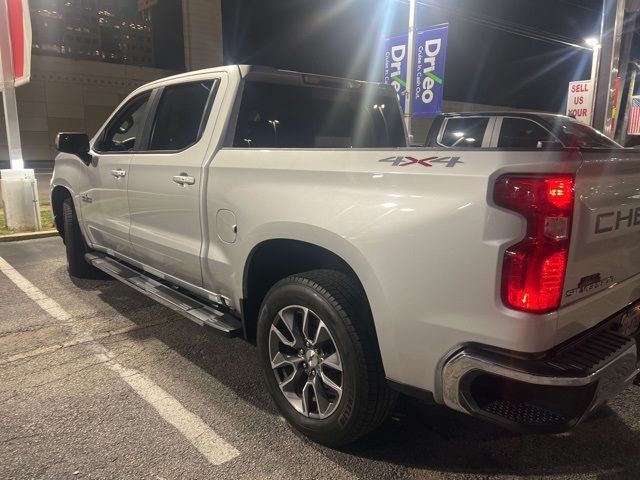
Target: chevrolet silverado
[288,209]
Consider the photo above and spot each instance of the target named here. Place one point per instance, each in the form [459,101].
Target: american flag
[633,128]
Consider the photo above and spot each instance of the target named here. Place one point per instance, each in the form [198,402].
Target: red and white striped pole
[15,60]
[19,185]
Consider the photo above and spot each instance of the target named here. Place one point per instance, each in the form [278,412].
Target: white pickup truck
[287,208]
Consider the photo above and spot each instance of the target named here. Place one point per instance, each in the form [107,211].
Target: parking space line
[213,447]
[77,341]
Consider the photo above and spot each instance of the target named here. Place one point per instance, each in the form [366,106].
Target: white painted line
[75,341]
[215,449]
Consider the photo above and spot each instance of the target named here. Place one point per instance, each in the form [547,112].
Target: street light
[592,42]
[274,124]
[380,109]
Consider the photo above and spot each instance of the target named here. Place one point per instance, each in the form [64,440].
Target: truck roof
[245,70]
[508,113]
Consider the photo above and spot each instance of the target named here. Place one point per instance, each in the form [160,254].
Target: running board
[192,308]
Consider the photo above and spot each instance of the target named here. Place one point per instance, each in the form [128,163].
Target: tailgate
[605,239]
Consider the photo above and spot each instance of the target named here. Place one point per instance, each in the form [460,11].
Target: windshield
[574,134]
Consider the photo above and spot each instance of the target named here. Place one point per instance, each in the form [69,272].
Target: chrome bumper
[552,393]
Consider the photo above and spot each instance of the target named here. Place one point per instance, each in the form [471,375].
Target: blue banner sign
[395,65]
[430,54]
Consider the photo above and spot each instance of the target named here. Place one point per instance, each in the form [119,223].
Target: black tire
[340,302]
[75,244]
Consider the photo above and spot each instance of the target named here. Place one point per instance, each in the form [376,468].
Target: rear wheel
[320,357]
[75,244]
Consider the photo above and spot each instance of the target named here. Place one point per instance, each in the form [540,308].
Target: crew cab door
[104,206]
[166,179]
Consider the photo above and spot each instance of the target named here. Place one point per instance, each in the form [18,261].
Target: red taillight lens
[560,192]
[533,270]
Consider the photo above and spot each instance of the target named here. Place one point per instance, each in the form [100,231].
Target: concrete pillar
[202,27]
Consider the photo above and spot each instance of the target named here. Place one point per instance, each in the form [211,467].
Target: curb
[16,237]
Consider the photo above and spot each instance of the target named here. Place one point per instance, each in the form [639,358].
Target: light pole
[380,109]
[274,124]
[594,44]
[408,94]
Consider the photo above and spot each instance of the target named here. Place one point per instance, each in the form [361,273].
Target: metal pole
[595,63]
[610,40]
[408,94]
[36,204]
[632,87]
[12,127]
[9,92]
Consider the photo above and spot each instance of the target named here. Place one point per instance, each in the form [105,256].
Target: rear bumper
[551,392]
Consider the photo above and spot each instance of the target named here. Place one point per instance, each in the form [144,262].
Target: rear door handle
[184,180]
[118,173]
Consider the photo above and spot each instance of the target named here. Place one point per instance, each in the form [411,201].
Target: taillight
[533,269]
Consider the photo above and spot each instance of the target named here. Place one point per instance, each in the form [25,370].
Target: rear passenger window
[290,116]
[180,115]
[522,133]
[464,132]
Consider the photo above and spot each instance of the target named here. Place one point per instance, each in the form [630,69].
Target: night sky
[484,64]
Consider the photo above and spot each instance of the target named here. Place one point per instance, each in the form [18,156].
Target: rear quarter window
[464,132]
[522,133]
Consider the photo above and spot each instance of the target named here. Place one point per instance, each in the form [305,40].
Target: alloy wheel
[306,362]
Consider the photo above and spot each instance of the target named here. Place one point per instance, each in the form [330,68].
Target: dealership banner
[395,64]
[429,63]
[430,55]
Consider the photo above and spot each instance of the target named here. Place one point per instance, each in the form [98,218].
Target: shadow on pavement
[435,438]
[233,362]
[417,436]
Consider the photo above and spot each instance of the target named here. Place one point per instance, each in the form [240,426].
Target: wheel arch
[59,194]
[264,266]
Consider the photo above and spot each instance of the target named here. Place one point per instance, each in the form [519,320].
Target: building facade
[88,55]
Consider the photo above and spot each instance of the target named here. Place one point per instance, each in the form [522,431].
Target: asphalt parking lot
[97,381]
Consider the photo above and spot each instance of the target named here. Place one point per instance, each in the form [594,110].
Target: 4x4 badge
[425,162]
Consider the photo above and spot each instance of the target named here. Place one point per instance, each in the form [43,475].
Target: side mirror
[74,143]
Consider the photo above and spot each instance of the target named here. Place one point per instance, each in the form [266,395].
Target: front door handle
[118,173]
[184,180]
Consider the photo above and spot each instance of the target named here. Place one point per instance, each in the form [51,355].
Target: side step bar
[192,308]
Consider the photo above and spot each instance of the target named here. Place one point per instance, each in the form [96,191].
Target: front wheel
[320,357]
